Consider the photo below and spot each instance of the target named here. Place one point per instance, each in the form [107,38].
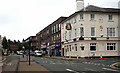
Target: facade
[13,46]
[33,42]
[49,39]
[91,32]
[0,42]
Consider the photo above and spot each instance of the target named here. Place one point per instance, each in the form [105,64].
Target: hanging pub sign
[68,26]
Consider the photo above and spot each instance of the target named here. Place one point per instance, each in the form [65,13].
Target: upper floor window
[110,31]
[63,36]
[75,47]
[92,16]
[54,37]
[70,47]
[81,16]
[56,27]
[81,31]
[60,27]
[75,32]
[70,35]
[110,17]
[92,31]
[74,19]
[52,30]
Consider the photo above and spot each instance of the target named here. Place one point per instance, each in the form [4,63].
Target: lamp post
[23,52]
[29,49]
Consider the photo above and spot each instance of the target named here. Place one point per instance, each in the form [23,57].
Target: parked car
[38,53]
[19,52]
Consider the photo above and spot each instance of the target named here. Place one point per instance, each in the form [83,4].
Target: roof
[92,8]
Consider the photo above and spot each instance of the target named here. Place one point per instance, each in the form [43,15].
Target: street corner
[115,65]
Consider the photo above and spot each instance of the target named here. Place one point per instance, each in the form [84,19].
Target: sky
[23,18]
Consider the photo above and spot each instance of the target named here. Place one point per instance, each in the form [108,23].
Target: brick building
[49,39]
[33,40]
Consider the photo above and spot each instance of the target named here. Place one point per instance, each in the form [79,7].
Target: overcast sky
[23,18]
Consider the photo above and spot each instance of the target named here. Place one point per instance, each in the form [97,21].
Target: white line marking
[110,69]
[69,70]
[72,70]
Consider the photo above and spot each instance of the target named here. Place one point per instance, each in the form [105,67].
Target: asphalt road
[74,66]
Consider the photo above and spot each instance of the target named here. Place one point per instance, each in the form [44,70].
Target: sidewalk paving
[24,66]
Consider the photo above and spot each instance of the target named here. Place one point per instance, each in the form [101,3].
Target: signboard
[68,26]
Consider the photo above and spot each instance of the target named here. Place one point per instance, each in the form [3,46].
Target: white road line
[110,69]
[69,70]
[72,70]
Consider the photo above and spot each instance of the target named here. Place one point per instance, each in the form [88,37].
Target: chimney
[79,4]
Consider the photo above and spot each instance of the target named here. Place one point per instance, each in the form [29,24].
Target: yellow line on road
[112,65]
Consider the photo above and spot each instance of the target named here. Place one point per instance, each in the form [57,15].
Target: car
[38,54]
[19,52]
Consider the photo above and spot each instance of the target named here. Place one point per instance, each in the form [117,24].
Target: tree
[5,43]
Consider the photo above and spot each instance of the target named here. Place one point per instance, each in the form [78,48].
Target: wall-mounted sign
[68,26]
[101,27]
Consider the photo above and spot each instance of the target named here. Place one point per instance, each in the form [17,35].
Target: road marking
[72,70]
[110,69]
[69,70]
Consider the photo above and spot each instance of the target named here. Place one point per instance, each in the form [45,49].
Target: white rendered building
[94,31]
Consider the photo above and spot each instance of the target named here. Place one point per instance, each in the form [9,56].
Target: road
[74,66]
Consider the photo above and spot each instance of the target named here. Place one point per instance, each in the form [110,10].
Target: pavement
[24,66]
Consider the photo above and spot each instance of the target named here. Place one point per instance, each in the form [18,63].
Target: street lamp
[23,52]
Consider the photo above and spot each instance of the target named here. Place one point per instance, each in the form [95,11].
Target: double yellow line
[112,66]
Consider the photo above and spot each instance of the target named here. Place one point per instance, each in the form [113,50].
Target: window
[111,46]
[59,35]
[75,32]
[70,35]
[70,47]
[63,36]
[56,27]
[74,19]
[82,48]
[92,31]
[54,37]
[41,35]
[81,31]
[75,47]
[110,32]
[52,30]
[92,16]
[81,16]
[92,46]
[109,17]
[60,27]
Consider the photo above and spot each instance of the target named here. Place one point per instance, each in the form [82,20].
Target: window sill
[81,20]
[92,20]
[110,21]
